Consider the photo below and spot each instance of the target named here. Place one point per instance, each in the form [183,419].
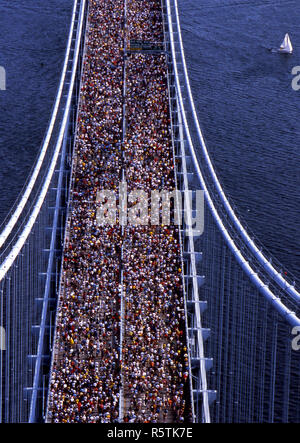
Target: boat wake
[285,47]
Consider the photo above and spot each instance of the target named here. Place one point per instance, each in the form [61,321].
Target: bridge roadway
[120,345]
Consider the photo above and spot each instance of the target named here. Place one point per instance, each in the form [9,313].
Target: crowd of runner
[103,264]
[156,363]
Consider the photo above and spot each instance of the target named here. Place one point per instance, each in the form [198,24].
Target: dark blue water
[33,38]
[248,111]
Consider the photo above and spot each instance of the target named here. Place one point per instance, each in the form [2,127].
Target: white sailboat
[286,46]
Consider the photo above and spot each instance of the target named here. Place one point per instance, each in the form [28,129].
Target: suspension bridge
[240,308]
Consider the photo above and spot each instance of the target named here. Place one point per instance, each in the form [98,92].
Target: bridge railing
[61,283]
[248,308]
[172,110]
[200,394]
[31,250]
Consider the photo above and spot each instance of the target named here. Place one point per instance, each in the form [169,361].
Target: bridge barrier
[248,307]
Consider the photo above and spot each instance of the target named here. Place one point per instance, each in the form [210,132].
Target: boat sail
[286,45]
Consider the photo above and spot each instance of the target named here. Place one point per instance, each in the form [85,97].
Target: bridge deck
[121,275]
